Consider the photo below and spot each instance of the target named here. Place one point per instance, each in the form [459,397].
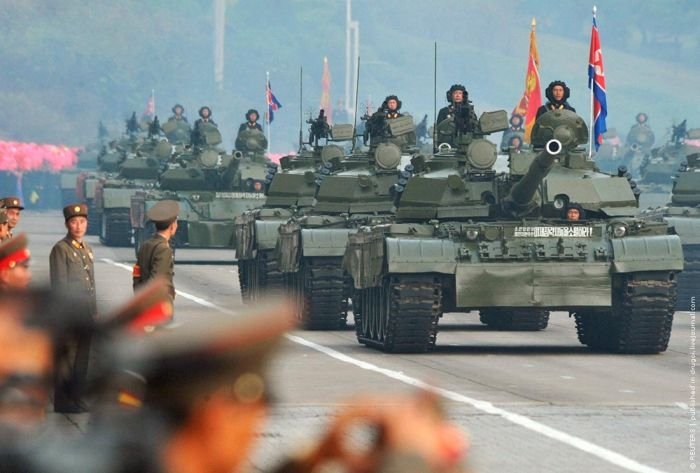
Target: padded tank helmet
[385,104]
[448,94]
[550,88]
[516,120]
[202,110]
[176,106]
[250,112]
[642,118]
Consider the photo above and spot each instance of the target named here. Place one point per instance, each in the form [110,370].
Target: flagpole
[267,104]
[591,85]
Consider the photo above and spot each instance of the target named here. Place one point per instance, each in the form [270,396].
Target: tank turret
[521,199]
[251,141]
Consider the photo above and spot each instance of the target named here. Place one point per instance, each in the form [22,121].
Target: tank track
[325,299]
[94,221]
[116,228]
[521,320]
[402,315]
[689,279]
[640,320]
[243,280]
[263,277]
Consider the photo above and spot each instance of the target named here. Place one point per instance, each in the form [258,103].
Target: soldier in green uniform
[459,108]
[155,256]
[72,272]
[13,206]
[4,226]
[14,264]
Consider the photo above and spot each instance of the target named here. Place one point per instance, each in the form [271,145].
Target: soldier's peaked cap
[75,210]
[12,202]
[150,306]
[164,211]
[14,251]
[183,365]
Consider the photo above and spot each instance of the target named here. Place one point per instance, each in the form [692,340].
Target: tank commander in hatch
[459,108]
[557,94]
[178,113]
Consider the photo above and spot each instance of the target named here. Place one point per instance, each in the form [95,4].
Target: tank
[290,190]
[87,161]
[610,155]
[638,145]
[683,214]
[509,245]
[660,166]
[213,187]
[137,172]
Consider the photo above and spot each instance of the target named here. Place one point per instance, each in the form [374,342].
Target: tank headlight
[472,234]
[559,203]
[619,230]
[195,197]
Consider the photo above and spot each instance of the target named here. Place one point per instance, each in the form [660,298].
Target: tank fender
[325,241]
[647,253]
[417,255]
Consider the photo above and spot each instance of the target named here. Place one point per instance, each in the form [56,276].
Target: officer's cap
[14,251]
[183,365]
[75,210]
[12,202]
[164,211]
[151,306]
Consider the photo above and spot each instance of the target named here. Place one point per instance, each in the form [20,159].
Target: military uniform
[11,202]
[155,256]
[14,253]
[72,272]
[3,221]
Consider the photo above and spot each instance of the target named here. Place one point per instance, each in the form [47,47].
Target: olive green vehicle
[213,187]
[137,172]
[637,149]
[87,161]
[502,244]
[290,191]
[661,165]
[683,214]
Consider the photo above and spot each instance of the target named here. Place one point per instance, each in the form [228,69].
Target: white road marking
[484,406]
[183,294]
[567,377]
[682,405]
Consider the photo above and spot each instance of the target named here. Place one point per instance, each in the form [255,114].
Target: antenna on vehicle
[301,113]
[435,96]
[357,90]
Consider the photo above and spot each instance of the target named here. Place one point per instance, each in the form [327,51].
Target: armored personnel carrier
[552,234]
[213,188]
[683,214]
[290,190]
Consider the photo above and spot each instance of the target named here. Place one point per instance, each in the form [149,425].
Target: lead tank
[503,245]
[213,187]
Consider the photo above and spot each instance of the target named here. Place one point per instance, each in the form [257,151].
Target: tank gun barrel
[521,195]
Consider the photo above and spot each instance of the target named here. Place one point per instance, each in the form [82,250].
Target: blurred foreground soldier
[72,274]
[204,119]
[557,94]
[178,113]
[13,206]
[460,109]
[4,226]
[155,256]
[14,264]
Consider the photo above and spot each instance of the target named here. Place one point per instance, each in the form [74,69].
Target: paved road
[531,402]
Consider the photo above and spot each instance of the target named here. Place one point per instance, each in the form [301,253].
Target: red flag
[532,96]
[326,91]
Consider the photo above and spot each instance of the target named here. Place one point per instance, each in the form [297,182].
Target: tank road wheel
[521,320]
[325,303]
[116,228]
[689,279]
[402,315]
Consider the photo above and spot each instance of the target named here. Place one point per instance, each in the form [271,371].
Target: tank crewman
[4,226]
[72,272]
[319,128]
[204,117]
[14,264]
[557,94]
[459,108]
[376,127]
[13,205]
[155,256]
[178,113]
[251,122]
[574,212]
[642,119]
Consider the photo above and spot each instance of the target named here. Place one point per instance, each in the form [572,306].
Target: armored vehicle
[358,190]
[637,148]
[213,188]
[659,167]
[108,162]
[290,193]
[609,155]
[552,234]
[683,214]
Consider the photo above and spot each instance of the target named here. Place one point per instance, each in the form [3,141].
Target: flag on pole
[272,103]
[150,111]
[532,96]
[596,82]
[326,91]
